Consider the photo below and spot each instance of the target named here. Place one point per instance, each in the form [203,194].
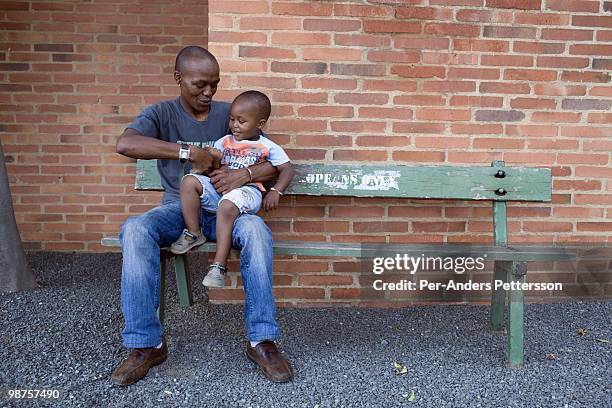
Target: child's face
[245,122]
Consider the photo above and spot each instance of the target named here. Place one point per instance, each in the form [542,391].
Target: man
[168,131]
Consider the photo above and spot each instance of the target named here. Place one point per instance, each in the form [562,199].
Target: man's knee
[134,228]
[252,229]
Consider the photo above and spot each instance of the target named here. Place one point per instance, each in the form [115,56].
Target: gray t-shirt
[169,122]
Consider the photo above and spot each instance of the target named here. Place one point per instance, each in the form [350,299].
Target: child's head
[250,111]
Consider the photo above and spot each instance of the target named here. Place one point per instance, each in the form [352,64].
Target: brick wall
[72,75]
[429,81]
[411,81]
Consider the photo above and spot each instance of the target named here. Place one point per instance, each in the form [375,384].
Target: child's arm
[285,175]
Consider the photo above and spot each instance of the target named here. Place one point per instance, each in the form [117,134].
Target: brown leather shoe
[272,363]
[137,364]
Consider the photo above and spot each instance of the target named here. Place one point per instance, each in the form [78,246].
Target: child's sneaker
[215,278]
[186,241]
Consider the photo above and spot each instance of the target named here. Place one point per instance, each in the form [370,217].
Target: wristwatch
[184,153]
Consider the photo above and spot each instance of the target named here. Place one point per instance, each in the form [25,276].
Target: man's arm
[226,180]
[133,144]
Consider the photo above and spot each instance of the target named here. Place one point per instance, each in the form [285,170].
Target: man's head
[196,71]
[249,113]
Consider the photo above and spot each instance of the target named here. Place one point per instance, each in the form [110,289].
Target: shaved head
[259,100]
[193,53]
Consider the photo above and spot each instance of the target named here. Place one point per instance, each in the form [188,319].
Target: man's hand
[271,201]
[203,160]
[225,180]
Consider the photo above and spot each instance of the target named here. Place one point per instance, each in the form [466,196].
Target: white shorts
[246,198]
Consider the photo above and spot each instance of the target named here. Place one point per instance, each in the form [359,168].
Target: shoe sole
[266,374]
[154,363]
[184,251]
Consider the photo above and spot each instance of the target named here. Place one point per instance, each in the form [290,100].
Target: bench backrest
[496,183]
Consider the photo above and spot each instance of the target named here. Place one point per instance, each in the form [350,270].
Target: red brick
[476,128]
[542,19]
[326,111]
[356,212]
[422,100]
[362,40]
[358,10]
[418,72]
[443,114]
[562,62]
[360,155]
[424,13]
[385,113]
[417,42]
[509,32]
[566,34]
[530,75]
[391,26]
[380,141]
[538,47]
[441,142]
[482,101]
[473,73]
[418,127]
[515,4]
[559,90]
[592,21]
[463,44]
[265,52]
[449,86]
[393,56]
[361,98]
[418,156]
[271,23]
[573,5]
[532,103]
[291,38]
[302,9]
[334,25]
[575,76]
[460,30]
[323,83]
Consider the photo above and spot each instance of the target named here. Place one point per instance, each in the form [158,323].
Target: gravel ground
[66,336]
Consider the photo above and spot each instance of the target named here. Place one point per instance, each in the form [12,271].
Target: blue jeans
[141,238]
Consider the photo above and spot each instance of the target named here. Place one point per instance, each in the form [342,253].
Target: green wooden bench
[497,184]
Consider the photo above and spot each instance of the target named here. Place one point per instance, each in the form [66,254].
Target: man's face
[198,81]
[245,121]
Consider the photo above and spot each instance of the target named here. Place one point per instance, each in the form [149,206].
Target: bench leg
[516,322]
[498,296]
[183,280]
[162,289]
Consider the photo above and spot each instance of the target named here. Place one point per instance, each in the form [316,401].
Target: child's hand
[271,201]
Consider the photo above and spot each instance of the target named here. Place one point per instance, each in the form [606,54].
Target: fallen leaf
[412,396]
[551,356]
[582,331]
[400,369]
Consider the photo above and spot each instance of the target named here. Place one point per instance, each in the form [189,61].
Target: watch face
[183,154]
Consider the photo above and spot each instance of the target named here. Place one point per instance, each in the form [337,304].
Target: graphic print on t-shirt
[237,154]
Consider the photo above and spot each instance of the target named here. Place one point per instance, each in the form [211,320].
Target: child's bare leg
[191,190]
[226,215]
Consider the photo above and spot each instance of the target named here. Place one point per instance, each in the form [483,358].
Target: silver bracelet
[279,192]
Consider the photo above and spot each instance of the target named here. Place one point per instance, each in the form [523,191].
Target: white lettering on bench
[381,180]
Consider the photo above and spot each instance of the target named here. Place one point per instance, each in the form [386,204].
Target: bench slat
[324,249]
[436,182]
